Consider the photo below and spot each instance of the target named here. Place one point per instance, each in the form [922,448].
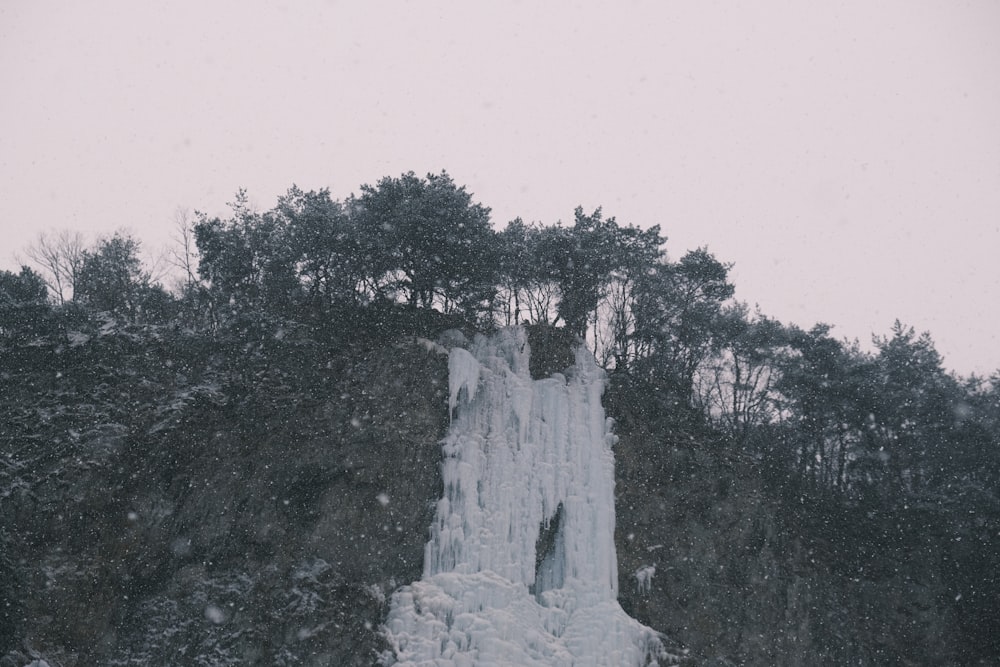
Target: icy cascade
[521,566]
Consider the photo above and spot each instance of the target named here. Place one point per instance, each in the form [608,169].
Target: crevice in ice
[549,555]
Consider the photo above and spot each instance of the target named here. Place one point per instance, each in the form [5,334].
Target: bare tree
[159,264]
[736,384]
[59,257]
[184,253]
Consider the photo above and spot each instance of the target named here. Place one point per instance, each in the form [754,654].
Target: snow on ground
[521,565]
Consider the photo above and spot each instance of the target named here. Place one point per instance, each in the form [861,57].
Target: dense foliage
[872,455]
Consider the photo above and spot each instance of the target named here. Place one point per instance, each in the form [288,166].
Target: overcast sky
[845,156]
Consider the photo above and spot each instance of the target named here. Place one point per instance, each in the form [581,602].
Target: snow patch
[644,578]
[215,614]
[77,338]
[431,346]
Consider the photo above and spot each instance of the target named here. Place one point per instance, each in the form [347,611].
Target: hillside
[253,498]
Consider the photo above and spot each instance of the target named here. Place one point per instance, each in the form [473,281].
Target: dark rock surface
[226,506]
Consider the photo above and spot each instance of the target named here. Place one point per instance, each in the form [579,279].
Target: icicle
[463,373]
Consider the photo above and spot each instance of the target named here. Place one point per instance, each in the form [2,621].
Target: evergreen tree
[677,315]
[22,288]
[246,260]
[23,303]
[333,260]
[433,246]
[112,278]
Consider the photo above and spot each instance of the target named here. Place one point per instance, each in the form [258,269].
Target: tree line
[822,411]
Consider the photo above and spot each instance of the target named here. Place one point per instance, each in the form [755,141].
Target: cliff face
[170,500]
[175,502]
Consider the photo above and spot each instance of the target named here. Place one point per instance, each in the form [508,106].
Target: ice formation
[644,578]
[521,566]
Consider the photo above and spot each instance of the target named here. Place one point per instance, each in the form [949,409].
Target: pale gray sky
[844,155]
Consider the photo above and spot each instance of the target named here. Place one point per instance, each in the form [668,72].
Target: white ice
[527,463]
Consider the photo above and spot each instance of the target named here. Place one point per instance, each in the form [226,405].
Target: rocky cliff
[168,501]
[175,499]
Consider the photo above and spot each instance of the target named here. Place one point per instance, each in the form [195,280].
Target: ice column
[521,565]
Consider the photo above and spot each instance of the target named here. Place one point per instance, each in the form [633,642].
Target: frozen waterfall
[521,566]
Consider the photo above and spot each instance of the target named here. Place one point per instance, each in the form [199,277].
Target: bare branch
[59,258]
[184,253]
